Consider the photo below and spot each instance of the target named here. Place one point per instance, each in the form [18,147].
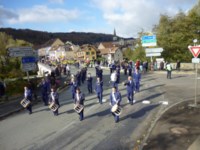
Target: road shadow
[45,109]
[152,87]
[140,112]
[99,114]
[180,76]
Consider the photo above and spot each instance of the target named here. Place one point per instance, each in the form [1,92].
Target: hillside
[39,37]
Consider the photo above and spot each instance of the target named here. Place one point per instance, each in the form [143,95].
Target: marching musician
[130,87]
[28,95]
[113,79]
[54,98]
[137,78]
[99,89]
[115,99]
[89,83]
[79,100]
[44,91]
[73,85]
[118,73]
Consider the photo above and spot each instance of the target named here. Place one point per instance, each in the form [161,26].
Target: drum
[78,108]
[25,103]
[53,106]
[116,109]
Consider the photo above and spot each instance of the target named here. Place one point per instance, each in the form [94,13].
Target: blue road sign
[28,60]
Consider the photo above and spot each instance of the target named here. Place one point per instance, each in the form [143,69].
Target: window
[93,53]
[87,53]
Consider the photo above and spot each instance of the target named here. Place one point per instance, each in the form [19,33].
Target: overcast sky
[128,17]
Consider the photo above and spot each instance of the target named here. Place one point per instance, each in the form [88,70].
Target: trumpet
[25,102]
[116,109]
[78,108]
[53,106]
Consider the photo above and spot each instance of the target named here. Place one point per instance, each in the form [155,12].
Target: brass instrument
[25,103]
[78,108]
[116,109]
[53,106]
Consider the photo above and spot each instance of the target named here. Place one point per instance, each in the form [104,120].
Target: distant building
[86,52]
[110,51]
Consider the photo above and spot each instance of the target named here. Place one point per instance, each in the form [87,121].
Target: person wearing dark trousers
[28,95]
[54,98]
[129,70]
[74,86]
[99,90]
[169,70]
[89,83]
[137,78]
[44,90]
[115,98]
[130,87]
[78,77]
[79,100]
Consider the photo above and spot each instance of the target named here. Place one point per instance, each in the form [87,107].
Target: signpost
[149,41]
[150,52]
[20,51]
[28,58]
[195,50]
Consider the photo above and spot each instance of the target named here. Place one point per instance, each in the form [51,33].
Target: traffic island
[178,128]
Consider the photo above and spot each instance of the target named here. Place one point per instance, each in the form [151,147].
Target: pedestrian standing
[130,88]
[137,78]
[99,90]
[169,70]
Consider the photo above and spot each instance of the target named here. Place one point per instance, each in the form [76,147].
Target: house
[86,52]
[110,52]
[49,45]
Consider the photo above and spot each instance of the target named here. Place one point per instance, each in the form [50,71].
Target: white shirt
[113,95]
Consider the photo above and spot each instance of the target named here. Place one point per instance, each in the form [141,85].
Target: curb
[156,120]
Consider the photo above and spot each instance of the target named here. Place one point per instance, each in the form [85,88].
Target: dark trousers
[137,86]
[79,82]
[45,98]
[130,97]
[130,72]
[100,97]
[89,88]
[73,95]
[115,117]
[110,70]
[169,74]
[81,115]
[29,108]
[125,71]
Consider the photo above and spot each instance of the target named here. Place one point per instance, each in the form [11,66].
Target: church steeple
[114,35]
[114,32]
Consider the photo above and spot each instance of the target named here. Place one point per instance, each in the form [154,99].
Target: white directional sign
[196,60]
[154,50]
[29,67]
[153,54]
[20,51]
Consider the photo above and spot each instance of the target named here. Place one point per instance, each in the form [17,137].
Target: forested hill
[39,37]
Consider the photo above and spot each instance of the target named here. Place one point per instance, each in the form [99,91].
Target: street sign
[20,51]
[153,50]
[149,41]
[153,54]
[28,59]
[195,50]
[29,67]
[195,60]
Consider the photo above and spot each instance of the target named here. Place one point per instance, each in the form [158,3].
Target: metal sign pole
[27,75]
[195,98]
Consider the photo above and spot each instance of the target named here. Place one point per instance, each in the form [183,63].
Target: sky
[127,17]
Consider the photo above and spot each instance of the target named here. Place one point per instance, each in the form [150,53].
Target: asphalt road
[98,131]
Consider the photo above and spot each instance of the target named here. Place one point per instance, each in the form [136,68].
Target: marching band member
[79,99]
[89,83]
[118,73]
[115,98]
[44,90]
[113,79]
[137,78]
[28,95]
[130,87]
[54,98]
[99,89]
[73,85]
